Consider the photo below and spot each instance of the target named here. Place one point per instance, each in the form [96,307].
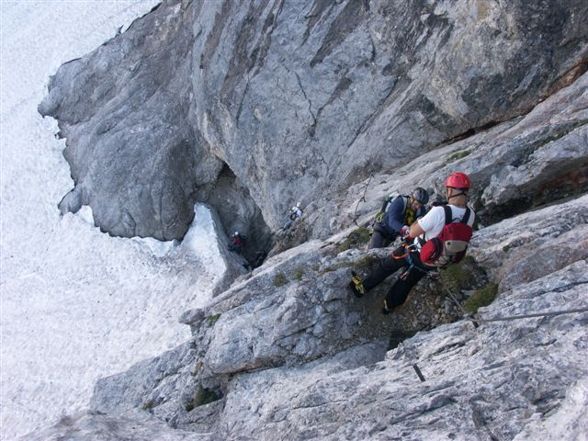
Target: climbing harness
[412,265]
[403,251]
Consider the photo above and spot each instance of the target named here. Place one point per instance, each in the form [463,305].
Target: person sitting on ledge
[440,238]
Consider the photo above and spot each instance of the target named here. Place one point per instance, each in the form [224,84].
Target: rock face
[495,381]
[515,166]
[290,350]
[537,244]
[287,352]
[132,139]
[297,100]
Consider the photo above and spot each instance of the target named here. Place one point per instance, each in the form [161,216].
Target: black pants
[399,291]
[380,237]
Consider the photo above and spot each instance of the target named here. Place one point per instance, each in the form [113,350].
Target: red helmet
[458,180]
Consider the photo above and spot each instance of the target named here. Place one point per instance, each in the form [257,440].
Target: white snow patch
[157,247]
[76,304]
[197,240]
[86,214]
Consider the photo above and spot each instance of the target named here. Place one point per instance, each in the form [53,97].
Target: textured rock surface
[474,385]
[496,381]
[131,139]
[514,166]
[535,244]
[293,351]
[298,99]
[337,104]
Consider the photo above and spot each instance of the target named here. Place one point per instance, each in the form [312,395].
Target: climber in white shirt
[424,229]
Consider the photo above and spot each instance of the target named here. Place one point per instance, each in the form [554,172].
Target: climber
[451,228]
[396,216]
[237,242]
[295,214]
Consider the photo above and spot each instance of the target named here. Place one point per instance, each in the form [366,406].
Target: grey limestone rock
[124,113]
[462,397]
[534,244]
[495,381]
[252,107]
[193,317]
[514,166]
[280,350]
[297,100]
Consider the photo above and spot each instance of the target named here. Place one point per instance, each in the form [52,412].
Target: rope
[465,313]
[537,314]
[355,216]
[478,320]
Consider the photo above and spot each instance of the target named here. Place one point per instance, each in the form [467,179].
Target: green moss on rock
[458,155]
[148,405]
[212,319]
[459,276]
[280,280]
[481,297]
[299,273]
[356,238]
[201,397]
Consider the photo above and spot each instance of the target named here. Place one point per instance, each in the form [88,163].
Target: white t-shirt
[434,221]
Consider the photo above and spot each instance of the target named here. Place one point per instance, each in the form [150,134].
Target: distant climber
[440,238]
[237,242]
[294,214]
[396,216]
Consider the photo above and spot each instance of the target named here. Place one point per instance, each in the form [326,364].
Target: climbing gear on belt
[413,265]
[403,251]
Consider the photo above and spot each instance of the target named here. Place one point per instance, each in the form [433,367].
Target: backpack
[386,203]
[451,244]
[390,198]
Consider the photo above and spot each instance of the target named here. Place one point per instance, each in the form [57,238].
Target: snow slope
[77,304]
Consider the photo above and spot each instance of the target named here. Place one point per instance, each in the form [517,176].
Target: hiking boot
[385,309]
[356,285]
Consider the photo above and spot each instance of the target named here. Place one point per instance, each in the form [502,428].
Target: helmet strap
[457,194]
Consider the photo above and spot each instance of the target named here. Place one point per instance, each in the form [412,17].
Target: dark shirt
[395,216]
